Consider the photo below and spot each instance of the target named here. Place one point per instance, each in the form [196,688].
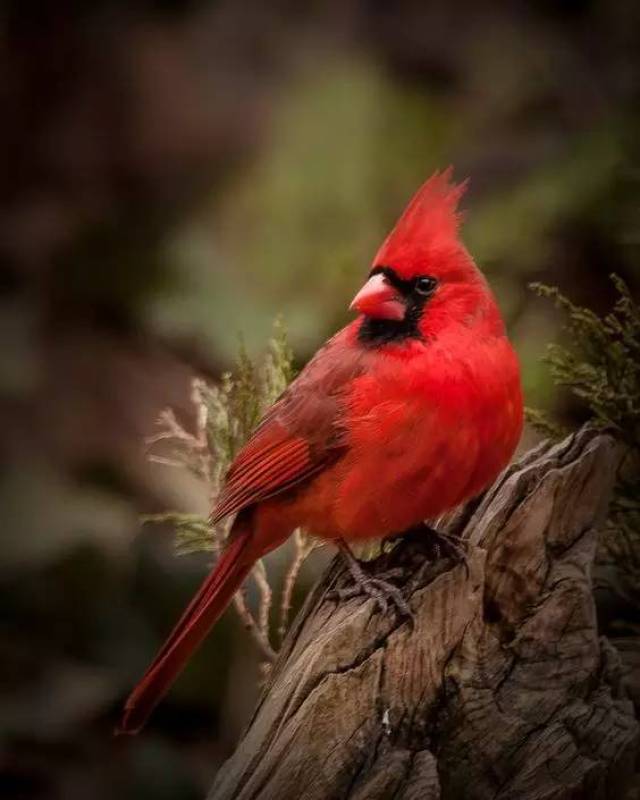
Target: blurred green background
[175,173]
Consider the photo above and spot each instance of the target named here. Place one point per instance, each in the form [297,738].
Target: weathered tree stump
[502,689]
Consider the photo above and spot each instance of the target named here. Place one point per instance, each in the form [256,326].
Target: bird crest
[428,226]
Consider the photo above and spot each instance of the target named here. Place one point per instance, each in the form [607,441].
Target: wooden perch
[503,689]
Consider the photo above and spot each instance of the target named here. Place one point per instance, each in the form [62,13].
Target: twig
[224,417]
[301,553]
[260,577]
[171,429]
[166,462]
[250,625]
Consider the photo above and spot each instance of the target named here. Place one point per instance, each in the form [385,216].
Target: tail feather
[203,611]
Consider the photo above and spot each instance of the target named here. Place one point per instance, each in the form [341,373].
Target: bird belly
[413,453]
[375,493]
[418,480]
[410,460]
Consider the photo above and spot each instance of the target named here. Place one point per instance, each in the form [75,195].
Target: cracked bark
[503,689]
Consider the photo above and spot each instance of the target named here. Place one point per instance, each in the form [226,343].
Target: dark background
[174,173]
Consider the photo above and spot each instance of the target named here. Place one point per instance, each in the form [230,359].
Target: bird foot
[437,545]
[446,545]
[379,588]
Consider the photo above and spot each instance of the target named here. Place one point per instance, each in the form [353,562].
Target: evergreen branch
[601,369]
[226,414]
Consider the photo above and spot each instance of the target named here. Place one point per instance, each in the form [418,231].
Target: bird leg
[453,546]
[439,543]
[380,588]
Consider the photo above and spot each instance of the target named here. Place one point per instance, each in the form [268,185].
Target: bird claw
[377,589]
[447,545]
[380,589]
[437,544]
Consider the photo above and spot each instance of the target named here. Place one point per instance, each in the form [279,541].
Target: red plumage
[206,607]
[410,410]
[428,224]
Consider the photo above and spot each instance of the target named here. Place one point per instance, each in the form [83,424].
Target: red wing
[268,469]
[299,436]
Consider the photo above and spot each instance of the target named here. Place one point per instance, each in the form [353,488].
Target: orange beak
[379,300]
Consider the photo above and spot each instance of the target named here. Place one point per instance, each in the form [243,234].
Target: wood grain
[502,689]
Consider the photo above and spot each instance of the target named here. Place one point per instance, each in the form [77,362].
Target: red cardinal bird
[410,410]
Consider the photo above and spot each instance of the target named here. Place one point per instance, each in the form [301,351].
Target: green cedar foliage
[601,367]
[226,415]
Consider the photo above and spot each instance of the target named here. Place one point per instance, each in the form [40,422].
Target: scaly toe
[401,604]
[379,590]
[382,591]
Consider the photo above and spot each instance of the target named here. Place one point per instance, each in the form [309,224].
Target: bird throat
[377,332]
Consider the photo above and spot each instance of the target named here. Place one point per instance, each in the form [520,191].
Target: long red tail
[201,614]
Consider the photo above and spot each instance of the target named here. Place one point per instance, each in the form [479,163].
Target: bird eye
[426,285]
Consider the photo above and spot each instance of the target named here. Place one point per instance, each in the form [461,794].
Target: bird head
[422,278]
